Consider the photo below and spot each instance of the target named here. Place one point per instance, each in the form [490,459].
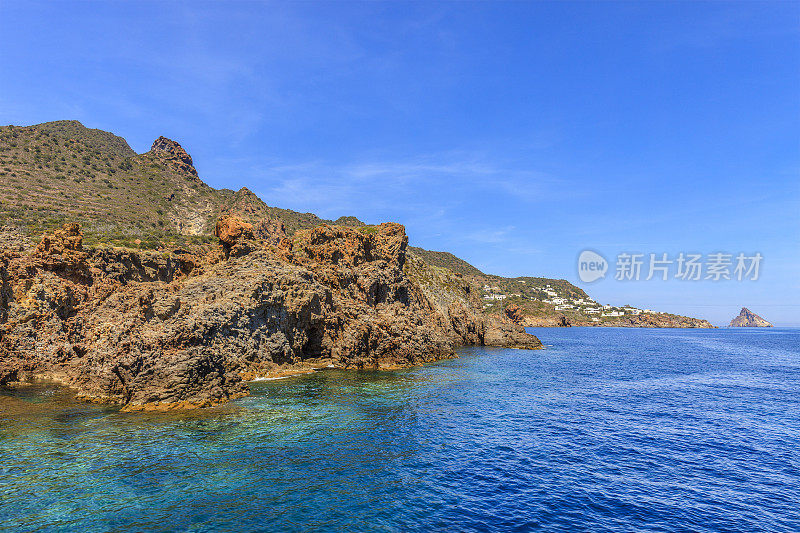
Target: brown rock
[62,250]
[159,331]
[514,313]
[748,319]
[234,234]
[230,229]
[173,155]
[346,246]
[271,231]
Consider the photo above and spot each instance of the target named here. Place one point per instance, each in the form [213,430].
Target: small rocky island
[748,319]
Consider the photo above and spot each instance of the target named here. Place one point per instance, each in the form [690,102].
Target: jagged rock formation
[454,303]
[174,155]
[748,319]
[514,313]
[171,330]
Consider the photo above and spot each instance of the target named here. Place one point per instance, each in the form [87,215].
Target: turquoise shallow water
[605,430]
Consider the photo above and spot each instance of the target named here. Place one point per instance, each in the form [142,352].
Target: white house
[495,297]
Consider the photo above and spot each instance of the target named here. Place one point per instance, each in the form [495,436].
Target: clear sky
[514,135]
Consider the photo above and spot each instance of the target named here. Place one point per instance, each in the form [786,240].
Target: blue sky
[514,135]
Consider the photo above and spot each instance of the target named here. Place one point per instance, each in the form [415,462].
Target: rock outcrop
[151,330]
[557,321]
[173,154]
[235,235]
[453,303]
[748,319]
[514,313]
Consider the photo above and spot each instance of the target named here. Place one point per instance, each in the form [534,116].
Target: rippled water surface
[605,430]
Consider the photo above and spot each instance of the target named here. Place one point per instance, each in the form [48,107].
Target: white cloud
[441,182]
[490,236]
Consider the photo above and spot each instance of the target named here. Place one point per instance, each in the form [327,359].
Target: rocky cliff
[187,328]
[61,171]
[748,319]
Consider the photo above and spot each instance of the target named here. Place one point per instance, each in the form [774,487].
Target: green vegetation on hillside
[446,260]
[62,171]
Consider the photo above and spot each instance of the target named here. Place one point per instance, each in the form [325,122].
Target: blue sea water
[605,430]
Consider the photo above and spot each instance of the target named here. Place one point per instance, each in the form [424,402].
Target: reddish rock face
[173,154]
[347,246]
[514,313]
[68,238]
[171,330]
[271,231]
[231,229]
[235,235]
[62,250]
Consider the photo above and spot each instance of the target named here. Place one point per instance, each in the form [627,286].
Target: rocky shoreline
[182,328]
[654,320]
[181,293]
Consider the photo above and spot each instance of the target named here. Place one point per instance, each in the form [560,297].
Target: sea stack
[748,319]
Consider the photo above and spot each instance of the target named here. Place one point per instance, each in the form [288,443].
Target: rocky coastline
[655,320]
[128,278]
[158,330]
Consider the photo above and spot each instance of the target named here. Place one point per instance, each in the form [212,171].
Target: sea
[604,430]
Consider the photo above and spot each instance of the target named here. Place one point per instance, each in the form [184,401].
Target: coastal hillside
[537,301]
[446,260]
[62,172]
